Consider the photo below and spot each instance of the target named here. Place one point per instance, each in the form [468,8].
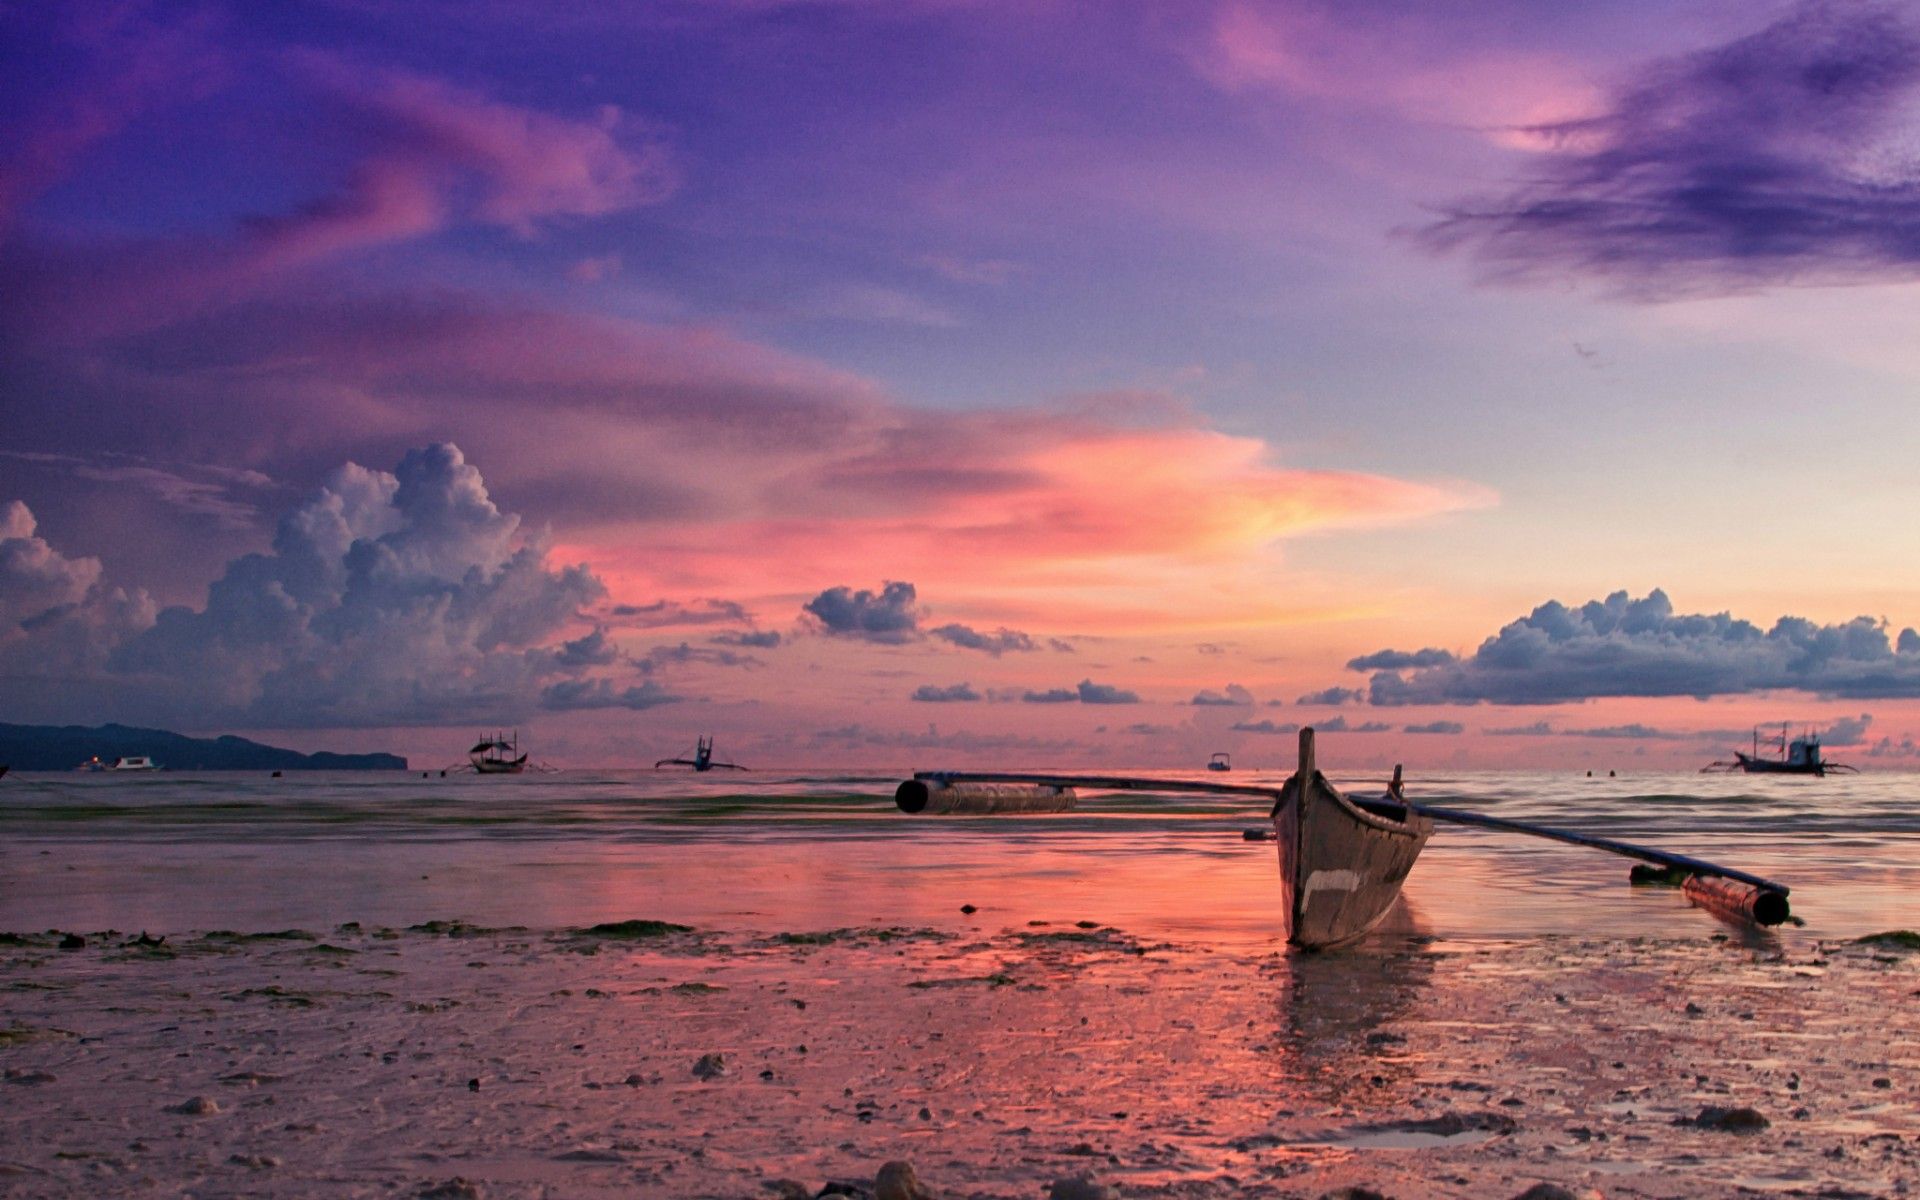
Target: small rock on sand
[1080,1187]
[452,1189]
[787,1189]
[1353,1193]
[1552,1191]
[710,1066]
[73,941]
[1729,1120]
[254,1162]
[197,1106]
[896,1181]
[28,1078]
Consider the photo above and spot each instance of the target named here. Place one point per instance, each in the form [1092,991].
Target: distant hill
[61,747]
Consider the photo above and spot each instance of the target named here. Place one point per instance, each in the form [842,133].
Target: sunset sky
[932,382]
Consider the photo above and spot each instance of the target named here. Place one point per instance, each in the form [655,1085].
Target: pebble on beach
[710,1066]
[1730,1120]
[1079,1187]
[897,1181]
[196,1106]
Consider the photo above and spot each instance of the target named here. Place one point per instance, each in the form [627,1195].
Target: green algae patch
[274,994]
[696,989]
[460,929]
[16,1034]
[634,930]
[1895,939]
[998,979]
[862,935]
[23,939]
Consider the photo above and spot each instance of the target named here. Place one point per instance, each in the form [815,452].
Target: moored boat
[1341,865]
[1220,762]
[1801,756]
[498,756]
[134,762]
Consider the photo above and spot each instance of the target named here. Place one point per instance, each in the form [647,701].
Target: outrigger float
[1342,859]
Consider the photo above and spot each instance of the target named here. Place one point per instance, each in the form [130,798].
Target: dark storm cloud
[958,693]
[889,617]
[1621,646]
[1779,158]
[1447,727]
[1000,641]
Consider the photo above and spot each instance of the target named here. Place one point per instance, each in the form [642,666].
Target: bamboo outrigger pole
[1762,901]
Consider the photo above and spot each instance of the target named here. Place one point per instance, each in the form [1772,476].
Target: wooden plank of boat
[1341,865]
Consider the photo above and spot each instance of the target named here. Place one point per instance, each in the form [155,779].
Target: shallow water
[804,850]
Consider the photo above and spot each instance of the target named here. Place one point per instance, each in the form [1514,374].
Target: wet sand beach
[643,1059]
[411,1005]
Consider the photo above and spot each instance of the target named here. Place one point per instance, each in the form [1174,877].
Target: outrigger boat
[1342,859]
[1801,756]
[702,759]
[497,756]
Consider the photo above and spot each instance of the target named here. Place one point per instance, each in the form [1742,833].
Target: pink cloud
[434,154]
[1405,65]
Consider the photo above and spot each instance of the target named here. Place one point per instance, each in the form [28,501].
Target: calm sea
[772,851]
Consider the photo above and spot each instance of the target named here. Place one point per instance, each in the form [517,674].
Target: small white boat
[1220,762]
[134,762]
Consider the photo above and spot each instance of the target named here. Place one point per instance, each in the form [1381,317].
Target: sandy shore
[452,1061]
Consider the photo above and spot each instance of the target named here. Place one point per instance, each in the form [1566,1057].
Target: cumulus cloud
[889,617]
[1398,660]
[761,639]
[574,695]
[1051,696]
[34,577]
[1447,727]
[1778,158]
[668,613]
[1265,727]
[1233,696]
[1623,646]
[1090,692]
[999,642]
[1333,695]
[656,657]
[1536,729]
[953,694]
[386,599]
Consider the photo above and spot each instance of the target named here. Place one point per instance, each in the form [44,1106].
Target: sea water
[802,850]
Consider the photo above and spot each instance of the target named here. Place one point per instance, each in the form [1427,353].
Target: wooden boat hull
[1341,867]
[501,766]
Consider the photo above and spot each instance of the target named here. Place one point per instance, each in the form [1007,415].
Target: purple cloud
[999,642]
[1776,159]
[889,617]
[1621,646]
[928,693]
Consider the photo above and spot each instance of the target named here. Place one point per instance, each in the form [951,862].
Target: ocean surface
[807,850]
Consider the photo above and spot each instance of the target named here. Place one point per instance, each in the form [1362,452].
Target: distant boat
[1801,756]
[134,762]
[92,764]
[1220,762]
[702,759]
[498,756]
